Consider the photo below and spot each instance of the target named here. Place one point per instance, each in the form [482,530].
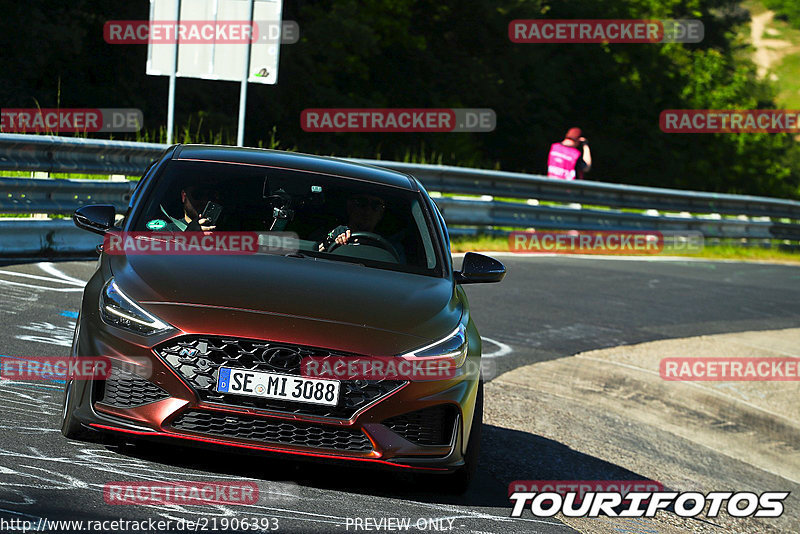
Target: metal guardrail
[20,152]
[460,180]
[508,214]
[41,195]
[29,238]
[715,215]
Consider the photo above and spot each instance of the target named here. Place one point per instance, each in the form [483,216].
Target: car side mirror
[479,269]
[97,218]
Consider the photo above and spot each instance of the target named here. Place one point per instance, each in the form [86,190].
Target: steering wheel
[370,239]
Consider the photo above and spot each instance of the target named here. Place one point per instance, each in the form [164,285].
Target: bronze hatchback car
[208,349]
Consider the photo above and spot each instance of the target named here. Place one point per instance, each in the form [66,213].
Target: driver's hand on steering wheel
[339,235]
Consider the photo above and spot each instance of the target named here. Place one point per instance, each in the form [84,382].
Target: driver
[364,212]
[193,198]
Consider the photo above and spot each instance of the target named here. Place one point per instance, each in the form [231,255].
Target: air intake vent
[272,431]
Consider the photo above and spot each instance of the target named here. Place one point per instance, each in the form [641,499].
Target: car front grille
[272,431]
[198,358]
[429,426]
[124,389]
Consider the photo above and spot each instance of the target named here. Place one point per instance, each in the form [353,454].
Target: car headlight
[118,309]
[454,346]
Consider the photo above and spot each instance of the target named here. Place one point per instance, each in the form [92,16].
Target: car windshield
[389,226]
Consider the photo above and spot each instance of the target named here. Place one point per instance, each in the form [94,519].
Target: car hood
[292,299]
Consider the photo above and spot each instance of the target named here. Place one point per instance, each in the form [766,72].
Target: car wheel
[461,479]
[71,428]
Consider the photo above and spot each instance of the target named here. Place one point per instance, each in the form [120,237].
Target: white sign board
[213,58]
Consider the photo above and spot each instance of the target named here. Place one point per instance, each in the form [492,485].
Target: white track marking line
[15,427]
[19,513]
[502,350]
[295,514]
[474,514]
[45,288]
[49,268]
[285,513]
[7,382]
[45,278]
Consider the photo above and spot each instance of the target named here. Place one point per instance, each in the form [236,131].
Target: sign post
[243,90]
[219,54]
[172,75]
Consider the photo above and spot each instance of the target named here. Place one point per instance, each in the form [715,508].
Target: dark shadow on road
[506,455]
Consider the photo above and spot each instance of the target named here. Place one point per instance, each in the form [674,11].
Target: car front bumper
[381,433]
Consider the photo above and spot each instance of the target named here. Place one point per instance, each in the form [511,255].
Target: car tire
[71,428]
[460,480]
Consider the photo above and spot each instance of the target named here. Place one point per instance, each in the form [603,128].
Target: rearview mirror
[97,218]
[479,269]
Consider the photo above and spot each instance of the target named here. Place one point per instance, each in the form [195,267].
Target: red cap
[574,134]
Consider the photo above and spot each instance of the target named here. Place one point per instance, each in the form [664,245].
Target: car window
[388,227]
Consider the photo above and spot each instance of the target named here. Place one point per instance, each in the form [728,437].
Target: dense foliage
[426,53]
[787,9]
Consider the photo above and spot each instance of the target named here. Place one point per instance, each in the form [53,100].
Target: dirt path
[768,51]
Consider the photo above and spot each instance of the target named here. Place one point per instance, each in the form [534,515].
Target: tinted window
[391,226]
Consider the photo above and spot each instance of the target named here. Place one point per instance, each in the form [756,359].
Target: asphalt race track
[547,308]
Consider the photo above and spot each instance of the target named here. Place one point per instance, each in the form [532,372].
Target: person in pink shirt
[570,158]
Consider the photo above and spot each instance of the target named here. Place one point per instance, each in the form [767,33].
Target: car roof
[294,161]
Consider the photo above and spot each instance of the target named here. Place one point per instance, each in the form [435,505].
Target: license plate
[278,386]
